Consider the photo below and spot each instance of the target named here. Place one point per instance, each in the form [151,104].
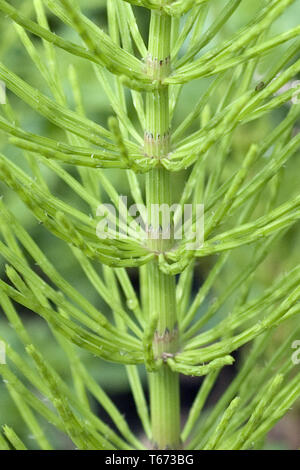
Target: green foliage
[198,74]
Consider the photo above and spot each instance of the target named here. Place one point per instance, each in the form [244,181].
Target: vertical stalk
[164,384]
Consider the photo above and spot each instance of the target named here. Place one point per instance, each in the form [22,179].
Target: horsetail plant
[168,161]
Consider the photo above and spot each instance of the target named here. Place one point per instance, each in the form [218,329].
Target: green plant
[167,329]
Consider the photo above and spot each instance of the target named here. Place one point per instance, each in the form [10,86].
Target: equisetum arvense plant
[168,327]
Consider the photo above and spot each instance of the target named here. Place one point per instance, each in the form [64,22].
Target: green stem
[164,384]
